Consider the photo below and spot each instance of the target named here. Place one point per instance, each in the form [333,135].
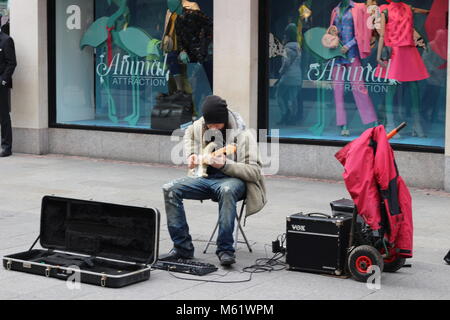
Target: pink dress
[406,63]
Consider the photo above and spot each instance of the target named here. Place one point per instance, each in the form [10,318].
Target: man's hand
[344,49]
[193,161]
[217,162]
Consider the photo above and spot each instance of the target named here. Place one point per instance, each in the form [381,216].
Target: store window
[331,81]
[133,64]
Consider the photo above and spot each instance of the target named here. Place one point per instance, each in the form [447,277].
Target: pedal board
[185,266]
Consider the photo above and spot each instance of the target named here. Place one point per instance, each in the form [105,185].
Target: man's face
[216,126]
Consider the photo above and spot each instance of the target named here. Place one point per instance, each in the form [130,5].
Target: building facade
[94,76]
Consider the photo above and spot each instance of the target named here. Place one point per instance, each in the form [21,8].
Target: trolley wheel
[393,264]
[361,259]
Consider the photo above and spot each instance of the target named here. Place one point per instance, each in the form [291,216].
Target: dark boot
[227,258]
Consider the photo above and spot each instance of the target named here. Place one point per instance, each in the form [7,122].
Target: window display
[338,67]
[132,64]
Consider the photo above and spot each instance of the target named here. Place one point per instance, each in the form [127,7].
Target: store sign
[324,73]
[127,70]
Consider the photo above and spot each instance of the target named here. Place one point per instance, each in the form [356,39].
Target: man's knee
[233,191]
[171,192]
[226,191]
[229,193]
[173,185]
[168,187]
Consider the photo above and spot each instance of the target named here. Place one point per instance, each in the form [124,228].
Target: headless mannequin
[392,89]
[360,99]
[180,80]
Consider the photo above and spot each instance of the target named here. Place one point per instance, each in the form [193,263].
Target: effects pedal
[185,266]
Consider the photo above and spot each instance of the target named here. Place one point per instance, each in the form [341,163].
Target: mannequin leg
[187,87]
[292,104]
[390,124]
[179,82]
[175,69]
[208,66]
[283,103]
[361,95]
[322,109]
[417,130]
[318,128]
[338,90]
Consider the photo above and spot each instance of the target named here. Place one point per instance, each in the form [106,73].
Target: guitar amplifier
[317,243]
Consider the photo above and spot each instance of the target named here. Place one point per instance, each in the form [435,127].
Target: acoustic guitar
[200,171]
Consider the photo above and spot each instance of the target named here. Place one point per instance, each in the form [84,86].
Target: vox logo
[297,227]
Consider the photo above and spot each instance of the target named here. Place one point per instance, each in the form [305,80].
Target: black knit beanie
[215,110]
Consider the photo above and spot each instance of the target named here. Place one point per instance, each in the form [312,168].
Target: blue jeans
[223,189]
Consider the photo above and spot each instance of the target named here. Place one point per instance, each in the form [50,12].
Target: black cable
[267,264]
[212,281]
[261,265]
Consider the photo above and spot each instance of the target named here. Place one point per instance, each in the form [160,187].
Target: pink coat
[363,33]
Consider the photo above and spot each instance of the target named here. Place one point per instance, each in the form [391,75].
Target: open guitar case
[103,244]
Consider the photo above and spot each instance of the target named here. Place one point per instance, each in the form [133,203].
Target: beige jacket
[245,165]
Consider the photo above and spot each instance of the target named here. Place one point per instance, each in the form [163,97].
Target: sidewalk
[26,179]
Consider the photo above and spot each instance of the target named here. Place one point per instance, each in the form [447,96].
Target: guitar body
[201,171]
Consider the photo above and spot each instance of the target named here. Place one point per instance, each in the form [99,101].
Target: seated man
[229,179]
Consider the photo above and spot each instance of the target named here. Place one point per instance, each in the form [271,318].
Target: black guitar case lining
[106,244]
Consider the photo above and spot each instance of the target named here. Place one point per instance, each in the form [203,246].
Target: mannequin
[406,65]
[178,40]
[170,44]
[350,18]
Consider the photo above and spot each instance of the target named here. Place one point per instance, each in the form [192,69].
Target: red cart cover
[372,179]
